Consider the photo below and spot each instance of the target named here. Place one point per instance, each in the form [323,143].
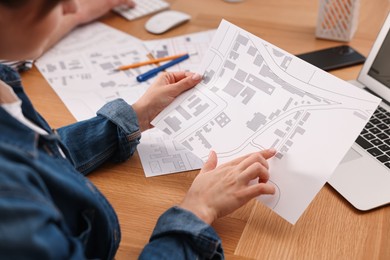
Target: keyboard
[375,137]
[142,8]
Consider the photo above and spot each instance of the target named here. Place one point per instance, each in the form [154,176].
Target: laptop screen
[380,69]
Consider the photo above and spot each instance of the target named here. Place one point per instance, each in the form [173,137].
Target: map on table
[81,69]
[254,96]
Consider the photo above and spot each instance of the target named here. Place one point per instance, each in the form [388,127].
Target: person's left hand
[161,93]
[218,191]
[89,10]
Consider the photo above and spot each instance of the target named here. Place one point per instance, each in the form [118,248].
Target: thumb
[268,153]
[211,163]
[130,3]
[186,83]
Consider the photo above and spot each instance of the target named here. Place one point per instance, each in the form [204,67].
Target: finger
[130,3]
[167,78]
[257,157]
[268,153]
[211,163]
[256,170]
[256,190]
[173,77]
[252,159]
[179,75]
[163,79]
[236,161]
[186,83]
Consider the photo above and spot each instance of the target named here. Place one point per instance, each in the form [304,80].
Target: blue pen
[153,72]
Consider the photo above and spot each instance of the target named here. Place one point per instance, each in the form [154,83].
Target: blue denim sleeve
[31,226]
[112,135]
[179,234]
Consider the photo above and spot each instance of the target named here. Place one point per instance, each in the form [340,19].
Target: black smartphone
[333,58]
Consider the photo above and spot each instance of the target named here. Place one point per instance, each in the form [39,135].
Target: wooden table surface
[330,228]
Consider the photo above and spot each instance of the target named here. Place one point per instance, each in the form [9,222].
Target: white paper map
[256,96]
[80,68]
[160,154]
[195,44]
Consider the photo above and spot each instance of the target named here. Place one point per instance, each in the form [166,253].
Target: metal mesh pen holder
[337,19]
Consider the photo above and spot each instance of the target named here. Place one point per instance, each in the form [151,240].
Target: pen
[153,72]
[148,62]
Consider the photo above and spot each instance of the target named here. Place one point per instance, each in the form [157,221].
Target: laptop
[363,177]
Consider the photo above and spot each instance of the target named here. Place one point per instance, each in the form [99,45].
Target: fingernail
[272,150]
[196,76]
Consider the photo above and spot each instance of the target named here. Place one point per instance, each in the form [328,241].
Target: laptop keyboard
[375,137]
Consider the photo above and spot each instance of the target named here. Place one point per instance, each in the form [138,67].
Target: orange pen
[148,62]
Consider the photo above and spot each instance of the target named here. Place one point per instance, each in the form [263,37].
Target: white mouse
[166,20]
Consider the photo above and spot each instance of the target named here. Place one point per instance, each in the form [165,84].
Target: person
[50,210]
[87,11]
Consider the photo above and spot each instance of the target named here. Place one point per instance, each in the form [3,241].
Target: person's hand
[89,10]
[161,93]
[219,191]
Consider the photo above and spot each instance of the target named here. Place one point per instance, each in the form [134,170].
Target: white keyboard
[142,8]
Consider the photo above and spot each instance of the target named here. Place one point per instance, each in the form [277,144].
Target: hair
[47,5]
[12,3]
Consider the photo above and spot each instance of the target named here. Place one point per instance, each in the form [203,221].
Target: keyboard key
[363,143]
[383,126]
[387,165]
[386,121]
[384,147]
[376,142]
[375,130]
[375,152]
[383,158]
[369,125]
[374,121]
[380,116]
[382,136]
[369,136]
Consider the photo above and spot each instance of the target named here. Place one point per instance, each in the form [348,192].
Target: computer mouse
[166,20]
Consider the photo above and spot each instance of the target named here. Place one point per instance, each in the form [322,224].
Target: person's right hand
[219,191]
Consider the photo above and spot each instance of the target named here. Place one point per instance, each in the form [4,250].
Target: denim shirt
[50,210]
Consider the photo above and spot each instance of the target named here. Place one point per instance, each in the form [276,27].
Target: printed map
[256,96]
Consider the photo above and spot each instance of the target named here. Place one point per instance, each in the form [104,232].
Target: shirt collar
[7,95]
[16,134]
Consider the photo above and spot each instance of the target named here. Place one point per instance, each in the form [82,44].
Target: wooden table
[329,229]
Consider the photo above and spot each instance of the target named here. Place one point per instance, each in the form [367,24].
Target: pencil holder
[337,19]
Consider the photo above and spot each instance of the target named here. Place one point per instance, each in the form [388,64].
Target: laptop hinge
[372,92]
